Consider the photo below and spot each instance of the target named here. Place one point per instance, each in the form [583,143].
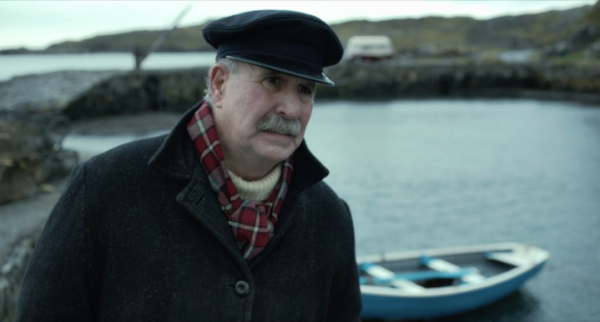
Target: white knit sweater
[256,190]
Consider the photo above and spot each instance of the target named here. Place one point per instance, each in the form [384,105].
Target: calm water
[422,174]
[16,65]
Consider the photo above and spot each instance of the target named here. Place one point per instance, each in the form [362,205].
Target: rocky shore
[177,90]
[21,224]
[88,95]
[394,80]
[48,92]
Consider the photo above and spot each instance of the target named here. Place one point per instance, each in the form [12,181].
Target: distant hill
[431,33]
[182,39]
[411,33]
[527,31]
[593,16]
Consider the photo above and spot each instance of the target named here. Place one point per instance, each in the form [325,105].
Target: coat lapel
[200,201]
[177,159]
[292,207]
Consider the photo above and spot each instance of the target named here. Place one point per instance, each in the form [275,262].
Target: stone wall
[177,90]
[389,80]
[161,90]
[11,275]
[48,92]
[31,153]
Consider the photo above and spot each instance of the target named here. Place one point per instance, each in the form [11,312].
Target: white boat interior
[446,270]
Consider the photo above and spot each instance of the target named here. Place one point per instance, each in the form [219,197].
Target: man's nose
[289,105]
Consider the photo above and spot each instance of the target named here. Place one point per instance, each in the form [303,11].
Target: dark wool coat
[139,236]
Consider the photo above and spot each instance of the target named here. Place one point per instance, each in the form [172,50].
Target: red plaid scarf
[252,222]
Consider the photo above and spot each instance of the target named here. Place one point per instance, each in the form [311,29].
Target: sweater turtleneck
[259,189]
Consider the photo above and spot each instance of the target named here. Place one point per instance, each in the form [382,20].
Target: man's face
[250,97]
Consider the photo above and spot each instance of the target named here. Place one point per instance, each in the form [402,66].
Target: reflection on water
[90,145]
[16,65]
[520,306]
[426,174]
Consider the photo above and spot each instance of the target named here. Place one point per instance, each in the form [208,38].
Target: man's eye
[273,80]
[304,89]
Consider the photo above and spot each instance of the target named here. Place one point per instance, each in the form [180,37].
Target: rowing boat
[439,282]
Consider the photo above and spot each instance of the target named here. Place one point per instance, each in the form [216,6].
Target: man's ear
[218,77]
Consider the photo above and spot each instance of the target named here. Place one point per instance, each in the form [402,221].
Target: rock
[48,188]
[560,49]
[31,153]
[593,51]
[49,92]
[164,90]
[11,275]
[582,38]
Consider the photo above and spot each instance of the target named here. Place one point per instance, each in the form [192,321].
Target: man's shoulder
[322,196]
[325,211]
[323,190]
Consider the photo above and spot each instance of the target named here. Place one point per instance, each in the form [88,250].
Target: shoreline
[92,94]
[589,99]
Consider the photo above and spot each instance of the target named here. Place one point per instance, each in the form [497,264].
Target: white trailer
[368,48]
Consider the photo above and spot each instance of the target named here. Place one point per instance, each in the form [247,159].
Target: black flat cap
[291,42]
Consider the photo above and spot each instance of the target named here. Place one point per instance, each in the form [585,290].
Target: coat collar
[176,158]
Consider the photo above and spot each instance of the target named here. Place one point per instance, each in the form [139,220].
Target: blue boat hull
[414,307]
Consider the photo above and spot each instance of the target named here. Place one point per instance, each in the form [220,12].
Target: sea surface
[435,173]
[18,65]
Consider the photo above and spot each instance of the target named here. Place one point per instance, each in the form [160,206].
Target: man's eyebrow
[268,72]
[263,72]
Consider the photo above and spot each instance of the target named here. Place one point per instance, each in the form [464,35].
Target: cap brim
[284,66]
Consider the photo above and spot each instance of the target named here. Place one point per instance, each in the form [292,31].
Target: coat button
[242,288]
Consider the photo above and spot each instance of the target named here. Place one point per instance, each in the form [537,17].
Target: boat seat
[441,265]
[422,276]
[384,275]
[507,258]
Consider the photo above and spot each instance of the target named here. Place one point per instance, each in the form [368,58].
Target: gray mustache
[279,124]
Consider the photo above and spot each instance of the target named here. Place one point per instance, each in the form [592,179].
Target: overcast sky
[37,24]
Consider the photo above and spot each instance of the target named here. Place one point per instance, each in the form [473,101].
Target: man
[225,219]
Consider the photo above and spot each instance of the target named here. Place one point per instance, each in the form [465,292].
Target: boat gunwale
[541,256]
